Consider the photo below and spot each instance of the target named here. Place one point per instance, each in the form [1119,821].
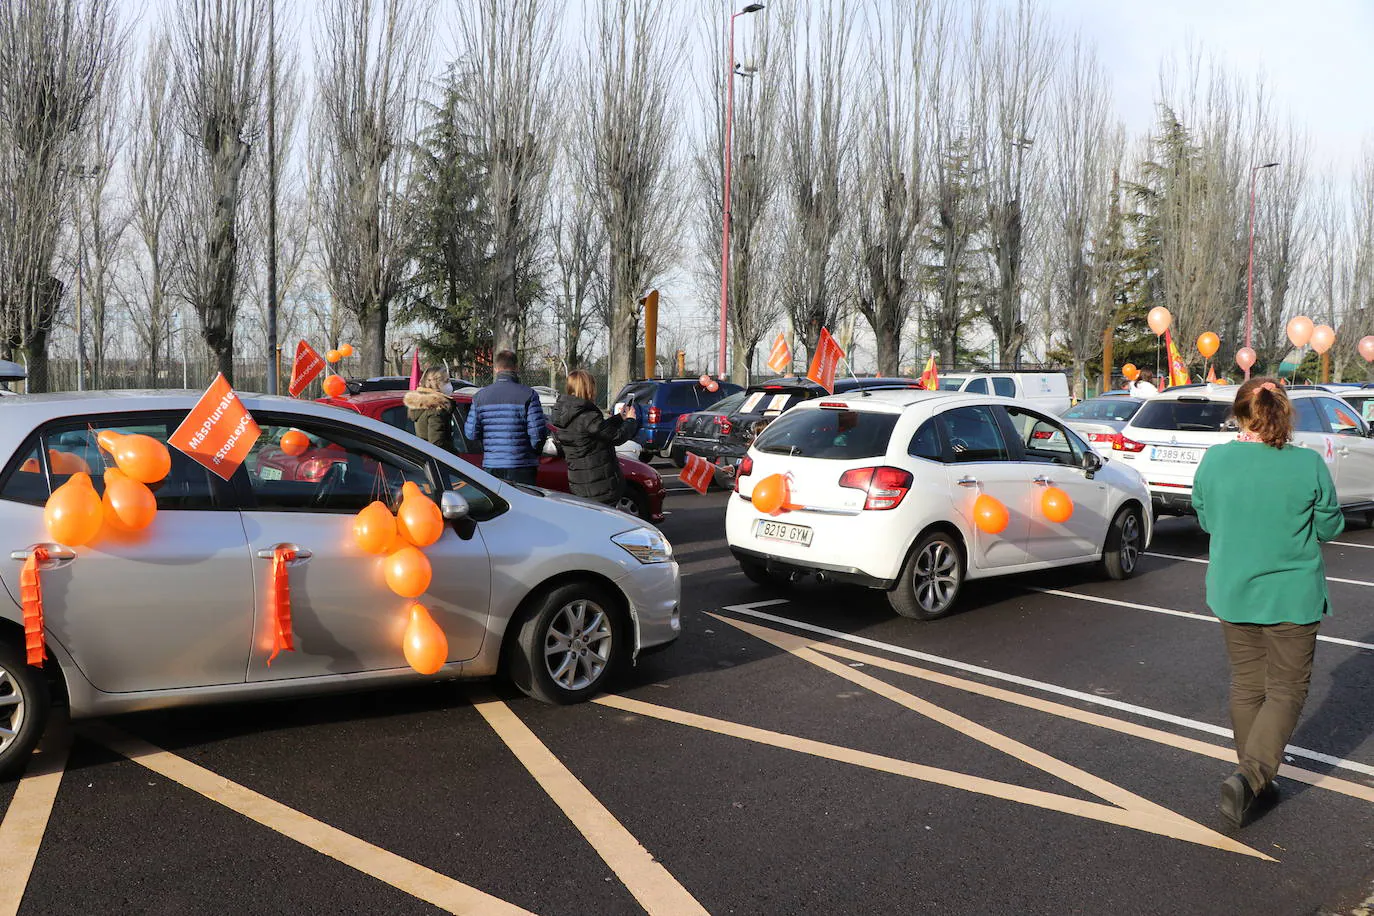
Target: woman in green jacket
[430,408]
[1268,505]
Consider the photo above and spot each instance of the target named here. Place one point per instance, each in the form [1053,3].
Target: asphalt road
[1054,747]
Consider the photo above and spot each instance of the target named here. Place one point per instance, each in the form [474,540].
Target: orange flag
[930,378]
[780,358]
[1211,375]
[697,473]
[825,361]
[304,368]
[1178,372]
[218,432]
[31,597]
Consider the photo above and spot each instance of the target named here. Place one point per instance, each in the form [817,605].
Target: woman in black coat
[588,440]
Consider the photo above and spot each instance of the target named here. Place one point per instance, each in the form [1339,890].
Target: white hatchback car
[883,483]
[1168,436]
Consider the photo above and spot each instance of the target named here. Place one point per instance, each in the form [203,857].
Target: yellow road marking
[401,873]
[650,883]
[26,820]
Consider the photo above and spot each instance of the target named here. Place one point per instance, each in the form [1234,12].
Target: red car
[643,486]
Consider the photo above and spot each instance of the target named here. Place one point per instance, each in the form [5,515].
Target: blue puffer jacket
[507,417]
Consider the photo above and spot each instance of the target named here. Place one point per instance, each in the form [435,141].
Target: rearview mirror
[453,506]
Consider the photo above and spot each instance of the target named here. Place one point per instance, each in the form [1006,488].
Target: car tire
[569,645]
[25,716]
[634,501]
[931,579]
[1125,537]
[678,456]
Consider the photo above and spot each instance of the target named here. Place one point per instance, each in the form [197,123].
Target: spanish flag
[930,378]
[1178,373]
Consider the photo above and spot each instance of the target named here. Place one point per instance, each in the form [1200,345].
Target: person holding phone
[588,439]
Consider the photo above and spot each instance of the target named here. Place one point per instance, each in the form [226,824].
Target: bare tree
[579,248]
[219,53]
[55,57]
[1354,275]
[510,113]
[368,86]
[815,125]
[626,154]
[1281,237]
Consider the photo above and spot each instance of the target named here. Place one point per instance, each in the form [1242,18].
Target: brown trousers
[1271,668]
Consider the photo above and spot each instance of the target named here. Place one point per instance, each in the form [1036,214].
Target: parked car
[660,401]
[694,429]
[1166,439]
[10,373]
[391,383]
[1046,390]
[552,591]
[725,442]
[1100,420]
[882,489]
[644,490]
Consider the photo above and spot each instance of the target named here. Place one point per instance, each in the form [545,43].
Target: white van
[1046,390]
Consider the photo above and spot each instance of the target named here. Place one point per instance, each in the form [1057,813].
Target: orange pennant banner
[279,603]
[307,364]
[218,432]
[31,597]
[697,473]
[825,362]
[780,357]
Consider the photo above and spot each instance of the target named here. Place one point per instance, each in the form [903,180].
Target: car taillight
[746,467]
[312,469]
[655,415]
[1121,444]
[886,487]
[682,420]
[1102,437]
[724,425]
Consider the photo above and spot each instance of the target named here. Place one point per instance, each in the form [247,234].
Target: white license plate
[1176,455]
[269,473]
[781,531]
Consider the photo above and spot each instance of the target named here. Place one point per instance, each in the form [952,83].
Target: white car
[1168,436]
[882,487]
[1043,390]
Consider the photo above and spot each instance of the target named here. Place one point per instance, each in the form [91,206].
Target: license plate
[269,473]
[781,531]
[1176,455]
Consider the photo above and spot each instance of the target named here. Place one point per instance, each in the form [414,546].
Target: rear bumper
[846,574]
[1167,501]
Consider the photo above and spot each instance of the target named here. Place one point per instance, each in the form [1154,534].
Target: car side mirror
[1092,463]
[453,506]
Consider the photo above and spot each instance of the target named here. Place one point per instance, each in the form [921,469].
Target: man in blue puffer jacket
[507,417]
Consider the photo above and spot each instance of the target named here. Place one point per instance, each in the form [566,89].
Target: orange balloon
[418,520]
[374,529]
[407,572]
[345,350]
[1130,371]
[141,457]
[1208,344]
[425,645]
[1322,338]
[73,512]
[1366,347]
[67,463]
[1159,320]
[128,504]
[771,494]
[1300,330]
[990,515]
[294,442]
[334,386]
[333,356]
[1056,505]
[1245,358]
[30,466]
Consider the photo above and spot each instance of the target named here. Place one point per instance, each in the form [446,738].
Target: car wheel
[569,645]
[23,709]
[634,501]
[1125,541]
[931,578]
[678,456]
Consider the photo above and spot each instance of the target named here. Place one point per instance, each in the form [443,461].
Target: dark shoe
[1237,799]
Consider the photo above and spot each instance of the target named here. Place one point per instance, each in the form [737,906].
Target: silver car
[553,591]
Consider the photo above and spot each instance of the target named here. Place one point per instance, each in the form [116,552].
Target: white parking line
[1350,544]
[1206,560]
[750,610]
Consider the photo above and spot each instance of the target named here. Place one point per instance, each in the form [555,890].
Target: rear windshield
[1191,416]
[1103,409]
[1365,404]
[771,402]
[729,403]
[842,435]
[643,393]
[951,384]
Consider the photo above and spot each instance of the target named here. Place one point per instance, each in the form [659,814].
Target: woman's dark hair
[1262,407]
[581,384]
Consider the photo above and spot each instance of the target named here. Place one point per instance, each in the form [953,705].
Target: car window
[26,481]
[1003,386]
[337,472]
[974,434]
[1340,417]
[1044,441]
[1190,416]
[770,402]
[1307,418]
[951,384]
[681,397]
[640,392]
[926,443]
[1364,404]
[399,417]
[977,386]
[1120,409]
[826,433]
[482,503]
[729,403]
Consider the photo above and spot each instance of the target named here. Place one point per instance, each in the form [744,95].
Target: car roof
[1113,398]
[1228,393]
[899,399]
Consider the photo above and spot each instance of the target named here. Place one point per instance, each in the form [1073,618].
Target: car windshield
[727,404]
[842,435]
[1187,416]
[1103,409]
[949,383]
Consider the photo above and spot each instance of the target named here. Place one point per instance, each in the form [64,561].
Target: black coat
[588,441]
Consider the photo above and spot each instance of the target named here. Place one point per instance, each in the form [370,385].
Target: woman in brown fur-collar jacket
[430,408]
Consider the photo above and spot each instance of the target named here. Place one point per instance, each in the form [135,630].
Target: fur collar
[427,399]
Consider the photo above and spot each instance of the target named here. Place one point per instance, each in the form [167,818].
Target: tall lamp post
[1250,269]
[725,216]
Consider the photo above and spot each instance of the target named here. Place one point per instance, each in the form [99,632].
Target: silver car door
[1054,458]
[344,617]
[981,463]
[1354,450]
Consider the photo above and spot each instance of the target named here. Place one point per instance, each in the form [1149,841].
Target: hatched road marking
[26,820]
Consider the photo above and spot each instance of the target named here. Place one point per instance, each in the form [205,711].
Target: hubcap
[628,505]
[1130,542]
[937,577]
[577,645]
[11,710]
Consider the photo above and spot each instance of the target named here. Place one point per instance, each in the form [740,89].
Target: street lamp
[725,214]
[1250,269]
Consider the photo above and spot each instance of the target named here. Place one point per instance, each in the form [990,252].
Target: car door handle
[1343,452]
[58,556]
[967,481]
[268,553]
[1042,480]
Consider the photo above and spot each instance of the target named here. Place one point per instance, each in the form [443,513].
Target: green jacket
[1267,509]
[432,413]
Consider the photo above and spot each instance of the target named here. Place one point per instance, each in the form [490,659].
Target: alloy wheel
[577,644]
[936,573]
[11,710]
[628,505]
[1130,542]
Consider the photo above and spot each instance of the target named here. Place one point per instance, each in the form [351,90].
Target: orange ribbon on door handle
[279,603]
[31,598]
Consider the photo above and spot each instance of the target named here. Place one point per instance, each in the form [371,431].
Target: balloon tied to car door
[398,539]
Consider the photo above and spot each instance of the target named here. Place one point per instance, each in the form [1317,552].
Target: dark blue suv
[660,401]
